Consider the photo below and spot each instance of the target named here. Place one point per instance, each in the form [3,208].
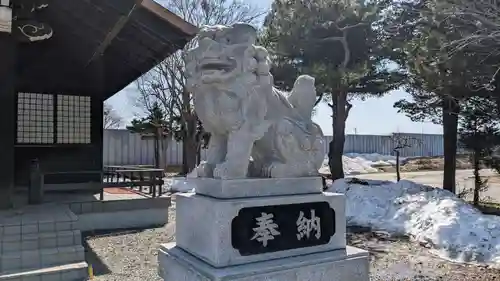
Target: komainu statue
[256,129]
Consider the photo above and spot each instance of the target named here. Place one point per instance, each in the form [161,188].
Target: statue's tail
[303,95]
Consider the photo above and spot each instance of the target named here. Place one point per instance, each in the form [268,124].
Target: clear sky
[375,116]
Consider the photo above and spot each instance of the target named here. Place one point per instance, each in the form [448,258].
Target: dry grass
[173,170]
[435,163]
[489,208]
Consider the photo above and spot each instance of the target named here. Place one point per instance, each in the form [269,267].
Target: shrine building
[59,61]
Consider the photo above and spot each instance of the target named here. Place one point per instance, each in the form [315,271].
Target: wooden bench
[125,176]
[38,186]
[116,176]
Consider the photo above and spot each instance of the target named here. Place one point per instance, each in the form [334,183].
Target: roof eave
[167,15]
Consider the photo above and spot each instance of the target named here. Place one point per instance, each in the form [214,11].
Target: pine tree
[153,125]
[480,134]
[340,44]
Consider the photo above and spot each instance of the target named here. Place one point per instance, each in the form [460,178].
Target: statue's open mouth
[220,66]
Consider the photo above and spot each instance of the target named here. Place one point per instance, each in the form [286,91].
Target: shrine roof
[126,37]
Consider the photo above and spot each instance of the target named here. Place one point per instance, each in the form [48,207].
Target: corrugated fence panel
[421,144]
[124,148]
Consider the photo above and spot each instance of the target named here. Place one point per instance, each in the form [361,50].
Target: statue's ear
[243,33]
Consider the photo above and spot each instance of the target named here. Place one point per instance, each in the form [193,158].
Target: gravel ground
[132,256]
[399,259]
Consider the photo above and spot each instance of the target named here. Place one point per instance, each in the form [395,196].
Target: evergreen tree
[153,125]
[480,135]
[340,44]
[437,80]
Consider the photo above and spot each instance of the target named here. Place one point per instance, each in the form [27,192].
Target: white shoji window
[73,119]
[35,118]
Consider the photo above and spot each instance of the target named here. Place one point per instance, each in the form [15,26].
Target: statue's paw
[222,171]
[281,170]
[205,170]
[278,170]
[227,171]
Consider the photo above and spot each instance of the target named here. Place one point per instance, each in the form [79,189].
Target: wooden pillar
[8,73]
[97,109]
[98,120]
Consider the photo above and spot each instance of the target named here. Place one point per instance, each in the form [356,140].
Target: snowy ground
[432,217]
[355,163]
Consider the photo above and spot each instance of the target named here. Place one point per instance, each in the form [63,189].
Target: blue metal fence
[124,148]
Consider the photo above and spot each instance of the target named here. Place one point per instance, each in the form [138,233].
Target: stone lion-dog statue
[256,129]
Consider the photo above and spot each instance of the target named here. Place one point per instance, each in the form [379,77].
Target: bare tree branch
[168,76]
[402,142]
[345,45]
[166,83]
[319,99]
[111,119]
[348,108]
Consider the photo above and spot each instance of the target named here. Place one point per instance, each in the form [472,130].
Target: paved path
[435,178]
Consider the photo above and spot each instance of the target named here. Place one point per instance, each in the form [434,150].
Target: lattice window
[35,118]
[39,121]
[73,119]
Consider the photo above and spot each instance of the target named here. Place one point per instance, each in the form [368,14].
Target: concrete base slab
[35,214]
[68,272]
[121,214]
[177,265]
[122,220]
[256,187]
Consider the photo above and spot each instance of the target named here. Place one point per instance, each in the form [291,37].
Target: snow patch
[356,163]
[376,159]
[182,184]
[433,217]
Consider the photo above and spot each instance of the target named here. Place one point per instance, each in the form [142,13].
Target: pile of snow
[182,184]
[376,159]
[433,217]
[352,166]
[358,163]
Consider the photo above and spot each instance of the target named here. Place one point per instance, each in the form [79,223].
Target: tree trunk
[398,173]
[189,145]
[450,139]
[163,152]
[191,151]
[185,169]
[336,147]
[188,156]
[477,178]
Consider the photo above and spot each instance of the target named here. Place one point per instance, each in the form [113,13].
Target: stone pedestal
[261,229]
